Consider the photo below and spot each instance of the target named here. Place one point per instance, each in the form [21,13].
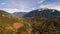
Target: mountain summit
[48,13]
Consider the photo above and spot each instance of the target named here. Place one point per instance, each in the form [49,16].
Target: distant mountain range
[19,14]
[43,12]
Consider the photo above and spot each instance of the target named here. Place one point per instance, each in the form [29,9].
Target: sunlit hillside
[12,24]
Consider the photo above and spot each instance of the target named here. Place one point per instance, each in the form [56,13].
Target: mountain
[40,21]
[44,21]
[48,13]
[19,14]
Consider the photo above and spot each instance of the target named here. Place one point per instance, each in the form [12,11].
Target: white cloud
[40,1]
[33,8]
[51,6]
[11,10]
[26,3]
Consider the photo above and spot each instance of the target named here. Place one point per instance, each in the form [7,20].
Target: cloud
[22,5]
[12,10]
[51,6]
[19,4]
[33,9]
[26,3]
[40,1]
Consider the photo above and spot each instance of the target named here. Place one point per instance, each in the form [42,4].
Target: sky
[28,5]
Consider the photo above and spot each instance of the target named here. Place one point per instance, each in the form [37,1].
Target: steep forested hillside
[11,24]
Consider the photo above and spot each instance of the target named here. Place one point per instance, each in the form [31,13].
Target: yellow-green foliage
[46,26]
[11,24]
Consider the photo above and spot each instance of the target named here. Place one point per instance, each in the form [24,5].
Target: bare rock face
[18,25]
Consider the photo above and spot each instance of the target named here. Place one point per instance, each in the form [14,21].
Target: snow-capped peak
[53,10]
[42,9]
